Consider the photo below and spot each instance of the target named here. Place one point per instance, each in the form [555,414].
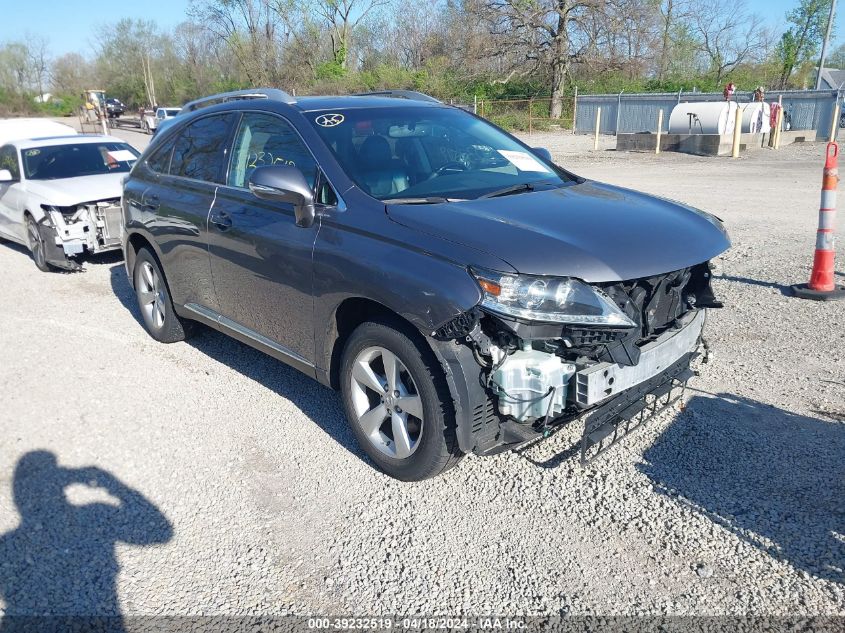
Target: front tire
[154,302]
[36,245]
[397,403]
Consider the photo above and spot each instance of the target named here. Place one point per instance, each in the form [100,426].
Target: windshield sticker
[329,120]
[122,155]
[524,161]
[33,152]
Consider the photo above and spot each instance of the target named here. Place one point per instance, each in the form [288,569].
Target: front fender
[425,289]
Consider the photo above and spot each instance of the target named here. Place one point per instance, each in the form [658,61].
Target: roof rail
[252,93]
[399,94]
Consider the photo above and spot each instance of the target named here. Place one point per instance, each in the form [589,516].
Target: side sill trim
[251,338]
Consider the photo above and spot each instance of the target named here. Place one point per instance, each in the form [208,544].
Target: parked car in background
[151,123]
[60,196]
[463,292]
[115,107]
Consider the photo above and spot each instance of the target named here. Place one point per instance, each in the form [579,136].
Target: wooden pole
[835,123]
[778,125]
[598,124]
[575,109]
[530,107]
[737,132]
[659,130]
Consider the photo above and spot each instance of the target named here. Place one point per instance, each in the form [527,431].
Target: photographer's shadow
[774,478]
[60,560]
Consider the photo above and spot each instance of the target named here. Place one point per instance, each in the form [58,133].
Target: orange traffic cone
[822,286]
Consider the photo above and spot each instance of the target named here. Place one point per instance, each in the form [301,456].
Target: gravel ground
[206,478]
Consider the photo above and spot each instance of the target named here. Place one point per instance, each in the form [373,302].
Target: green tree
[801,42]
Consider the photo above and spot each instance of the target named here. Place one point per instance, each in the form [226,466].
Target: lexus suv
[463,292]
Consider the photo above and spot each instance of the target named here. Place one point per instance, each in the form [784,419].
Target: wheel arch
[349,314]
[453,360]
[134,243]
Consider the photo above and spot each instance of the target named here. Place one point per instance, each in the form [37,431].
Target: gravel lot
[218,481]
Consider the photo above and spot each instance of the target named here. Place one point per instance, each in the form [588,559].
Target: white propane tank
[706,117]
[755,118]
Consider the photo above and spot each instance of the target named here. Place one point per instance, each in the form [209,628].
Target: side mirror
[285,184]
[543,153]
[5,175]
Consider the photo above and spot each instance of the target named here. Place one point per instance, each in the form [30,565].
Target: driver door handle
[151,202]
[221,220]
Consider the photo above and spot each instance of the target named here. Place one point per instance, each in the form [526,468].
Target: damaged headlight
[549,299]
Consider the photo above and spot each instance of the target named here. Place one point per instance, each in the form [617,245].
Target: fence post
[679,94]
[475,104]
[659,130]
[834,124]
[530,107]
[482,108]
[737,132]
[574,110]
[618,111]
[598,124]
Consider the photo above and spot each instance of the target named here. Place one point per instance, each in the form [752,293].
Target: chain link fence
[525,115]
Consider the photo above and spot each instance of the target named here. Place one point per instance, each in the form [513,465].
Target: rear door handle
[221,220]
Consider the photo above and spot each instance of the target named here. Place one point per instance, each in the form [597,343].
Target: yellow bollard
[598,124]
[737,132]
[659,130]
[834,124]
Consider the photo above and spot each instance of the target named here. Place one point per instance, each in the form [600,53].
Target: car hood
[592,231]
[67,192]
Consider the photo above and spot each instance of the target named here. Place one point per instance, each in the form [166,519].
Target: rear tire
[398,403]
[36,245]
[154,302]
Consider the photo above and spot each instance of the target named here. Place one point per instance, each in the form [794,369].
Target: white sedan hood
[68,192]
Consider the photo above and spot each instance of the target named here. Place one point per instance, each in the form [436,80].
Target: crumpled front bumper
[605,380]
[482,429]
[93,228]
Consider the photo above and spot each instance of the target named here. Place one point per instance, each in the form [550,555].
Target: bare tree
[672,12]
[69,73]
[341,17]
[536,34]
[249,27]
[38,60]
[727,35]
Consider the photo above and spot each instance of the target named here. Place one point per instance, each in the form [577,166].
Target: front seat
[382,175]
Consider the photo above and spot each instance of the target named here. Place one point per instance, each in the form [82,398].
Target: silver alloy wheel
[35,243]
[151,295]
[386,402]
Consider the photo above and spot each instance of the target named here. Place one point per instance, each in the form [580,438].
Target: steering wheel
[453,166]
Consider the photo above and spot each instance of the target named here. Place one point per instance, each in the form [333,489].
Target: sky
[69,25]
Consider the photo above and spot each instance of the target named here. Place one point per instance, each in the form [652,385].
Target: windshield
[430,154]
[77,159]
[172,112]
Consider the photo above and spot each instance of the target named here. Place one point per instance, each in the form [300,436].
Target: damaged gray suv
[463,292]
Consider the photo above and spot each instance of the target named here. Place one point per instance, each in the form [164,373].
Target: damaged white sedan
[60,196]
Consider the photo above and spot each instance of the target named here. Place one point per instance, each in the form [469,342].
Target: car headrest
[375,153]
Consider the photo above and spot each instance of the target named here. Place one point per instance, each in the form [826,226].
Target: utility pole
[824,45]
